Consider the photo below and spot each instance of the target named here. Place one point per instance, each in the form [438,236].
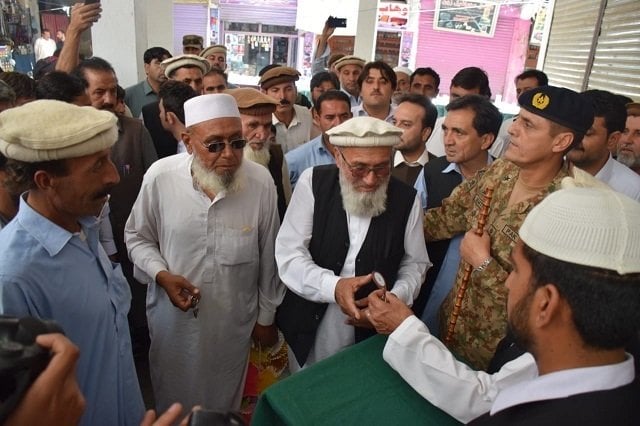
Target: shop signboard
[469,17]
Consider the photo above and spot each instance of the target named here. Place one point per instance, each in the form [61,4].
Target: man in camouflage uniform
[552,120]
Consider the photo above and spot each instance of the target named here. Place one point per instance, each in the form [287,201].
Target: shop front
[257,34]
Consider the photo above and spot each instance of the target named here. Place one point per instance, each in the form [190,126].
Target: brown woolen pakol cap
[252,101]
[278,75]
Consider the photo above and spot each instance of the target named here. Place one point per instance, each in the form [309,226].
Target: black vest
[620,407]
[439,186]
[275,168]
[382,251]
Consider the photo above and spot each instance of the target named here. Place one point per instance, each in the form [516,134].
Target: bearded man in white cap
[573,305]
[339,229]
[202,231]
[52,264]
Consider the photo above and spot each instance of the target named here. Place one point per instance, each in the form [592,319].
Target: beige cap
[172,64]
[216,48]
[252,101]
[278,75]
[587,226]
[403,70]
[46,130]
[349,60]
[208,107]
[364,132]
[192,40]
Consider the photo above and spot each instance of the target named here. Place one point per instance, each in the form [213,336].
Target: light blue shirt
[359,111]
[354,100]
[310,154]
[49,272]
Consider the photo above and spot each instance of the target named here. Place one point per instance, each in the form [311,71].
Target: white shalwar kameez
[225,247]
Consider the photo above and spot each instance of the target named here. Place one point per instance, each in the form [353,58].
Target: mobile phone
[334,22]
[91,1]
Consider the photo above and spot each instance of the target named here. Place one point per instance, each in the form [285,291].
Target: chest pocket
[238,246]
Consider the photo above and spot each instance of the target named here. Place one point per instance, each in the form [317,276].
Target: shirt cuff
[328,287]
[405,333]
[402,293]
[156,267]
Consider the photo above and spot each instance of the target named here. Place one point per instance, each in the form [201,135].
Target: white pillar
[367,32]
[128,28]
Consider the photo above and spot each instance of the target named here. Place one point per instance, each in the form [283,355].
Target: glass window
[278,29]
[241,26]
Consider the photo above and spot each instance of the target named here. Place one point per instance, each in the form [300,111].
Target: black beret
[560,105]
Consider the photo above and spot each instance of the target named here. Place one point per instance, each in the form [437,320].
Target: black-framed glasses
[360,170]
[218,145]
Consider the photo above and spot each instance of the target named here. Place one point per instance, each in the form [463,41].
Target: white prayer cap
[46,130]
[586,226]
[364,132]
[403,70]
[208,107]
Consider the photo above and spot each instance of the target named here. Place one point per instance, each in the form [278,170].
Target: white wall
[126,29]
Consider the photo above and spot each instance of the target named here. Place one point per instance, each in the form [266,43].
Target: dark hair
[120,93]
[385,70]
[60,86]
[426,71]
[20,173]
[174,94]
[158,53]
[472,78]
[44,67]
[321,77]
[23,85]
[487,119]
[556,128]
[604,305]
[6,93]
[93,64]
[45,30]
[430,112]
[540,76]
[608,106]
[218,71]
[331,95]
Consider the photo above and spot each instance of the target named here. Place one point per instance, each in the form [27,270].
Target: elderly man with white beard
[339,233]
[255,112]
[202,231]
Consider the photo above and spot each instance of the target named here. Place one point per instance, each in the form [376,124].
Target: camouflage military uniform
[483,316]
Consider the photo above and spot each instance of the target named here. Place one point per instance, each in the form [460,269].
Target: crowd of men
[161,218]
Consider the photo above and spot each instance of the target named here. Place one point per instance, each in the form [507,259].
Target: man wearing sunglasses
[344,222]
[202,231]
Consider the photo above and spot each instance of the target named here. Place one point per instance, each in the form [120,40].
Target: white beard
[628,160]
[210,181]
[363,204]
[262,156]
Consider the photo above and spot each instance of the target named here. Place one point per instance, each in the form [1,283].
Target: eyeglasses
[218,145]
[361,170]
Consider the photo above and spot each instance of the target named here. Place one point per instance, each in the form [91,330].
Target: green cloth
[353,387]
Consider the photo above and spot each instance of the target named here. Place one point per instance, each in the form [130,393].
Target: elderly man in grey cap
[51,263]
[338,234]
[573,305]
[201,234]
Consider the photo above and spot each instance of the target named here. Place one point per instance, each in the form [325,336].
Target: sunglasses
[359,171]
[218,146]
